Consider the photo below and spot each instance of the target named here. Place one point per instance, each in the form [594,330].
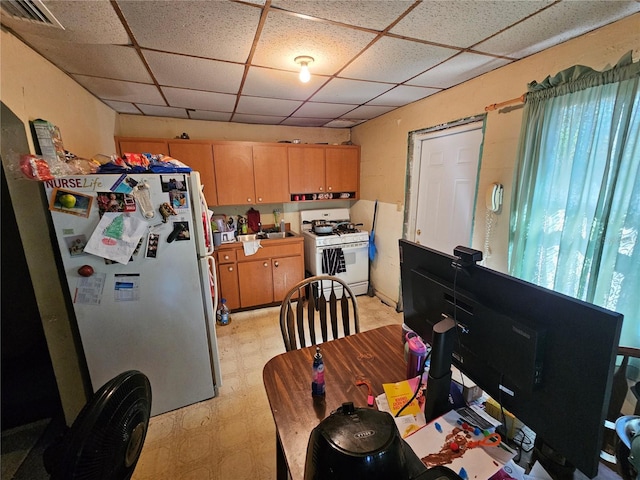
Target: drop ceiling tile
[557,24]
[159,111]
[344,122]
[402,95]
[457,70]
[354,92]
[266,106]
[286,36]
[369,111]
[83,22]
[260,119]
[98,60]
[266,82]
[122,107]
[198,100]
[212,29]
[395,60]
[464,23]
[121,91]
[214,116]
[304,122]
[197,73]
[376,15]
[323,110]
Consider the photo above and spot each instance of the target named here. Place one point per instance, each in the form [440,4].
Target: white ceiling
[233,61]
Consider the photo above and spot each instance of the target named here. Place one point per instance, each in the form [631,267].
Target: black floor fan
[105,440]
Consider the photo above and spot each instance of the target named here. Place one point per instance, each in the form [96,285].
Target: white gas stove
[343,252]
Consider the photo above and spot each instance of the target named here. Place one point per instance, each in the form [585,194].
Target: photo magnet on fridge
[173,182]
[73,203]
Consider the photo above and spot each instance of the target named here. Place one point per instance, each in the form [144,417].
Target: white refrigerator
[137,255]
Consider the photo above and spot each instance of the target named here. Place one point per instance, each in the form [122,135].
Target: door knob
[418,232]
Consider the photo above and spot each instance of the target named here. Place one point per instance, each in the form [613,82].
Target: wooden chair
[328,297]
[625,396]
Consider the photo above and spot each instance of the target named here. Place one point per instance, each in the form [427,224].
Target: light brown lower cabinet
[228,279]
[263,278]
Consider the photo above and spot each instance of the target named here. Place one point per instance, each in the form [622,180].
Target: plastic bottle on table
[317,384]
[223,315]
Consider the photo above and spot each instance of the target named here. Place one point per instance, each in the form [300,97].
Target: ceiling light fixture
[304,62]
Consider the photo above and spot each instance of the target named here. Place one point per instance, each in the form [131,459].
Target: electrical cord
[418,386]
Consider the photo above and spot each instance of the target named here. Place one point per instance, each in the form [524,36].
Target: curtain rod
[495,106]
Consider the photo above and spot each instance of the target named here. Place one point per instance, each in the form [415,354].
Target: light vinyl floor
[232,436]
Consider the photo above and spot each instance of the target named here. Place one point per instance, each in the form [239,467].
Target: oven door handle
[349,246]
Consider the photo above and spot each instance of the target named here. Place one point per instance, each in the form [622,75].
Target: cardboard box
[48,141]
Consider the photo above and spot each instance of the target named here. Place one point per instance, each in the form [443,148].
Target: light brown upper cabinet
[306,169]
[271,174]
[251,174]
[234,173]
[324,169]
[199,156]
[342,169]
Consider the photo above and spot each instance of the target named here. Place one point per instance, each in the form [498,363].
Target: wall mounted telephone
[493,204]
[494,197]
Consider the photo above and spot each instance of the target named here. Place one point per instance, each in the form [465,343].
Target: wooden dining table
[374,356]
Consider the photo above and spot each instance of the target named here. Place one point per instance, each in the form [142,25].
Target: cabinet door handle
[230,269]
[265,264]
[329,188]
[276,264]
[259,199]
[321,188]
[248,200]
[226,257]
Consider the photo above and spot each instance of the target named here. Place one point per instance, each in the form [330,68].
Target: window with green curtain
[575,209]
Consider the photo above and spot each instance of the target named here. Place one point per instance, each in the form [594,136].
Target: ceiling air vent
[30,10]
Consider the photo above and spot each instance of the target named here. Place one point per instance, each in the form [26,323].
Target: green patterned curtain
[575,221]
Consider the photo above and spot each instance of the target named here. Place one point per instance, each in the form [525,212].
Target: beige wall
[384,141]
[33,88]
[139,126]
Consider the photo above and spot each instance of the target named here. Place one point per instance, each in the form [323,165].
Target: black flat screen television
[546,357]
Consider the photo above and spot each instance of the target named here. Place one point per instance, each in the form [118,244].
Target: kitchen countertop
[295,238]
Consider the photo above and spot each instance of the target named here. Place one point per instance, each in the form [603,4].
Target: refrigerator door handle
[206,223]
[201,216]
[213,281]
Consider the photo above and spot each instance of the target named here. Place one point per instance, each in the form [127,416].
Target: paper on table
[407,424]
[119,246]
[478,462]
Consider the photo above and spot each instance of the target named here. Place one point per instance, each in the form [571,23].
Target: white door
[443,190]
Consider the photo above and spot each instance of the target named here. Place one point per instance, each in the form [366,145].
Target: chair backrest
[318,309]
[625,394]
